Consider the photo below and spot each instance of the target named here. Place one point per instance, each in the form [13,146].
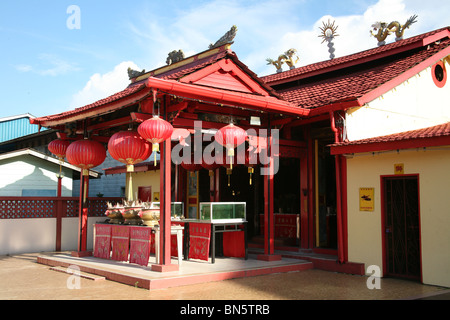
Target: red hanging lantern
[59,148]
[230,137]
[86,154]
[210,167]
[155,131]
[129,148]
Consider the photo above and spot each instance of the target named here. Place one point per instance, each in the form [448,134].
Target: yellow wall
[144,179]
[364,228]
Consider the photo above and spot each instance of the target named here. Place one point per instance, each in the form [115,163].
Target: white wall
[39,235]
[364,228]
[29,172]
[417,103]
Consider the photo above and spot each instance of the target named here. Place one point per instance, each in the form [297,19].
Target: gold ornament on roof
[384,29]
[289,57]
[328,31]
[328,34]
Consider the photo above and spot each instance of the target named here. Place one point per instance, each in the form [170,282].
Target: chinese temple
[238,152]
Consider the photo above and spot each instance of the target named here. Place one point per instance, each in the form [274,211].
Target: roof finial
[227,38]
[287,57]
[384,29]
[328,34]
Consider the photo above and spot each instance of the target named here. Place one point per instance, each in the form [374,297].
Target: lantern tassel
[155,149]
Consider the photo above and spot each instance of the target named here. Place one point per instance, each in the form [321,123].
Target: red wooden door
[145,194]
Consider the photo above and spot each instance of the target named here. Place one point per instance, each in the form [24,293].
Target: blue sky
[48,68]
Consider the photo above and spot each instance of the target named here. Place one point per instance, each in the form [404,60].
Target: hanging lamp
[59,147]
[155,131]
[129,148]
[230,137]
[86,154]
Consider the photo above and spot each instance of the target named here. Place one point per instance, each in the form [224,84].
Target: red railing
[50,207]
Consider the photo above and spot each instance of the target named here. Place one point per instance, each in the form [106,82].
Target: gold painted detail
[289,57]
[384,29]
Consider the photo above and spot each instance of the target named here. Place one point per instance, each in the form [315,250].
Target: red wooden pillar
[304,202]
[59,214]
[83,217]
[269,228]
[165,164]
[217,185]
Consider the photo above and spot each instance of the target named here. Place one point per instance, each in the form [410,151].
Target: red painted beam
[255,102]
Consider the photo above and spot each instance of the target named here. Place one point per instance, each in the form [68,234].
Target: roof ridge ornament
[328,34]
[175,56]
[384,29]
[227,38]
[287,57]
[132,74]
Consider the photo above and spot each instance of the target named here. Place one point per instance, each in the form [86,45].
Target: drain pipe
[338,193]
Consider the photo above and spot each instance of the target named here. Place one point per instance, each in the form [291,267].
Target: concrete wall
[29,172]
[39,235]
[364,228]
[415,104]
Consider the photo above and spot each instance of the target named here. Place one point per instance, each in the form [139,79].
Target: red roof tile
[132,89]
[340,62]
[357,81]
[414,139]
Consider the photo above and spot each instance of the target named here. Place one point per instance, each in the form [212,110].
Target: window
[439,74]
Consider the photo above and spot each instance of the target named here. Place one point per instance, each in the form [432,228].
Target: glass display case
[177,210]
[223,212]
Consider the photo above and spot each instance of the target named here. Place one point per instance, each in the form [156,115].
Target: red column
[165,210]
[268,209]
[304,202]
[83,217]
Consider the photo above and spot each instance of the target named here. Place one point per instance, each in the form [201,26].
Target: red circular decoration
[86,154]
[59,148]
[191,165]
[231,136]
[155,131]
[439,74]
[129,147]
[247,158]
[210,167]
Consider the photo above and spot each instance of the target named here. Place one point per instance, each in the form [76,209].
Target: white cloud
[48,65]
[354,30]
[265,31]
[24,68]
[101,86]
[268,28]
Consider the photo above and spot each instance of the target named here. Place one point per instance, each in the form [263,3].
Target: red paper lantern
[129,148]
[210,167]
[230,137]
[155,131]
[86,154]
[59,148]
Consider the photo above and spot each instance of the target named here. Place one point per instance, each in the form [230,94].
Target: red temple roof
[343,82]
[432,136]
[363,76]
[357,58]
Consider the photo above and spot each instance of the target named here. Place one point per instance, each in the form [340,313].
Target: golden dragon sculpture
[289,57]
[384,29]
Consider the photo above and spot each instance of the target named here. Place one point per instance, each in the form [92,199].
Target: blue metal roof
[16,126]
